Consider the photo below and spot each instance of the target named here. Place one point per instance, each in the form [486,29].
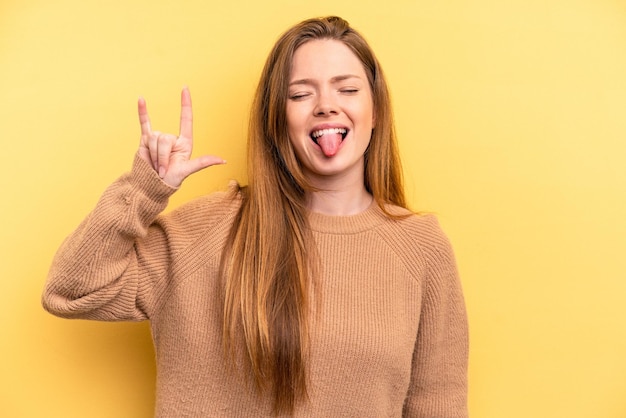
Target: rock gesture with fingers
[168,154]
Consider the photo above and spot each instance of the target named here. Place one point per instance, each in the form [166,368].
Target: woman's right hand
[168,154]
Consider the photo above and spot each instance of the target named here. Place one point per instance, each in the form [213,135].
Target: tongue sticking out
[329,143]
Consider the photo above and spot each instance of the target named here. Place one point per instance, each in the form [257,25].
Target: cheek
[295,116]
[364,111]
[368,117]
[288,115]
[373,117]
[371,109]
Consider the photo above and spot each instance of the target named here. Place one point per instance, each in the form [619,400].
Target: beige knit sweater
[390,340]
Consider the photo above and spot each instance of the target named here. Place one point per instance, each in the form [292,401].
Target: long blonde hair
[269,261]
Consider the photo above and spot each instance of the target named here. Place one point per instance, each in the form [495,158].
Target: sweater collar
[352,224]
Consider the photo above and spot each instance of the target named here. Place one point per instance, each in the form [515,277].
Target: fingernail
[161,172]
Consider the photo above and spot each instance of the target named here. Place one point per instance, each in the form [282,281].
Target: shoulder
[417,238]
[422,229]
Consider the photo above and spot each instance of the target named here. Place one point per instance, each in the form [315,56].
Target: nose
[326,105]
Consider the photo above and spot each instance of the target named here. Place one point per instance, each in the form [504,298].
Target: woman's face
[330,111]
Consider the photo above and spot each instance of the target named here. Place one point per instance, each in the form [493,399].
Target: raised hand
[168,154]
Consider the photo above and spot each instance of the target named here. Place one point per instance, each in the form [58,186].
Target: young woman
[310,292]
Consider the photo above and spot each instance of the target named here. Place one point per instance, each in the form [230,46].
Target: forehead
[325,59]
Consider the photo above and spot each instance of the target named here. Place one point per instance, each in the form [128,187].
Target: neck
[339,199]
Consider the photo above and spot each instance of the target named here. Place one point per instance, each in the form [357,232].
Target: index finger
[186,115]
[144,120]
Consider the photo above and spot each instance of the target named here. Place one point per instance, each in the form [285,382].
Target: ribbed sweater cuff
[145,179]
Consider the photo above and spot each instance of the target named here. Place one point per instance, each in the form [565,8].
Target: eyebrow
[335,79]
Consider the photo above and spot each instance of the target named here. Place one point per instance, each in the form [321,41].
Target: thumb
[200,163]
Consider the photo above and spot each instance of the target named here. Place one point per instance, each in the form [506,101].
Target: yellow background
[511,116]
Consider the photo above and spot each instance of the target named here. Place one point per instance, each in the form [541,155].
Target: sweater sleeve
[439,368]
[96,273]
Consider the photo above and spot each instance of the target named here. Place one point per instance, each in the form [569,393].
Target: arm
[109,267]
[96,271]
[439,370]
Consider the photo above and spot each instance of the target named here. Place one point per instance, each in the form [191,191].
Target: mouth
[316,135]
[329,139]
